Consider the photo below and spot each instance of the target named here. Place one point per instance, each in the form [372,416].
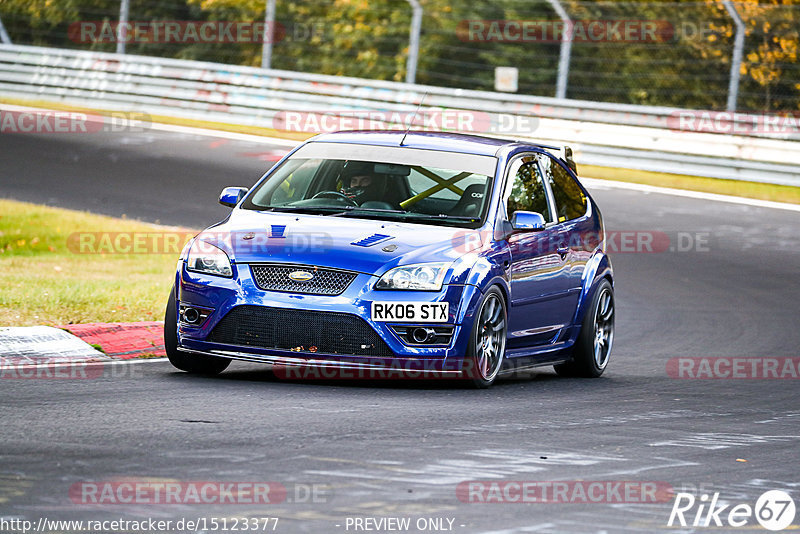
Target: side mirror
[231,196]
[523,221]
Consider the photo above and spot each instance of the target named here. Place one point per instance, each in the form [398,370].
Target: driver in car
[359,185]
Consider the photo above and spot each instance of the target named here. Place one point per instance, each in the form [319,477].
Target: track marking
[716,440]
[594,182]
[221,134]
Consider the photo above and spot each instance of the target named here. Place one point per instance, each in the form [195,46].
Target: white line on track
[593,182]
[234,136]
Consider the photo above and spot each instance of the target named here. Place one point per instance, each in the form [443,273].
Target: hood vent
[277,231]
[374,239]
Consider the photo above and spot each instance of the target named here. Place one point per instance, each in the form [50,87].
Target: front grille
[302,331]
[275,277]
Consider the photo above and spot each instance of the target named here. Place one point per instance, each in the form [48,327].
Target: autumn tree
[770,72]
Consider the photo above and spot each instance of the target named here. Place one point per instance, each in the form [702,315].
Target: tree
[769,66]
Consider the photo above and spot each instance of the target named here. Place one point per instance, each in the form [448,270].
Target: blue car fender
[485,272]
[597,268]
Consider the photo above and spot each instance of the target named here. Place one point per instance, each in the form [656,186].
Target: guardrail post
[4,38]
[122,28]
[269,35]
[566,49]
[413,41]
[736,61]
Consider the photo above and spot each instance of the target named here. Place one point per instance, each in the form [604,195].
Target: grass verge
[44,279]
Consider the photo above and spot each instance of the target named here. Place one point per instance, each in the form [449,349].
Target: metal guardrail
[612,135]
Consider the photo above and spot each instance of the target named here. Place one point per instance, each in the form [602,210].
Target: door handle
[562,251]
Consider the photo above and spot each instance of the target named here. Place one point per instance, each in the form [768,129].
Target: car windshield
[389,183]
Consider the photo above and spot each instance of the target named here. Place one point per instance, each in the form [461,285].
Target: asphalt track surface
[400,449]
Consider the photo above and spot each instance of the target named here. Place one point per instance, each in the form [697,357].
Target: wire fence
[652,53]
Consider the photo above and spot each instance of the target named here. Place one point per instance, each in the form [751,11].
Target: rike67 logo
[774,510]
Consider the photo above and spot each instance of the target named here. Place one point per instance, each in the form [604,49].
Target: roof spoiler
[566,155]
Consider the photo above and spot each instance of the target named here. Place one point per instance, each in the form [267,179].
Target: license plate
[410,312]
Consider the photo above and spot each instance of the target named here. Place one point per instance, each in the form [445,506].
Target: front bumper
[339,367]
[221,295]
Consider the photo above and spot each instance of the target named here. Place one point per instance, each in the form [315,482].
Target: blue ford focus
[431,254]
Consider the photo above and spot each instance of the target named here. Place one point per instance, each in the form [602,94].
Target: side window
[526,192]
[569,198]
[294,187]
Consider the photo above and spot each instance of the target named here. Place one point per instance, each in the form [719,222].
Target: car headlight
[206,258]
[420,277]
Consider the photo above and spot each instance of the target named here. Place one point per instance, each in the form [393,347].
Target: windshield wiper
[358,210]
[441,217]
[351,209]
[409,215]
[324,210]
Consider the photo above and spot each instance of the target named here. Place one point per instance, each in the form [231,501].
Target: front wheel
[593,346]
[191,363]
[487,344]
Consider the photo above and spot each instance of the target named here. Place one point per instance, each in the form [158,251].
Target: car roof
[445,141]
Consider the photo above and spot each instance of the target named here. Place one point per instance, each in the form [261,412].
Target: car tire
[592,349]
[191,363]
[487,343]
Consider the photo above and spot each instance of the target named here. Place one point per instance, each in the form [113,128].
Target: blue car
[426,254]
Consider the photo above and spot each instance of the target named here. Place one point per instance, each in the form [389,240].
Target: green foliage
[688,68]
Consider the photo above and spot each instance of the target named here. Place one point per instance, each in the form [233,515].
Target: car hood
[362,245]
